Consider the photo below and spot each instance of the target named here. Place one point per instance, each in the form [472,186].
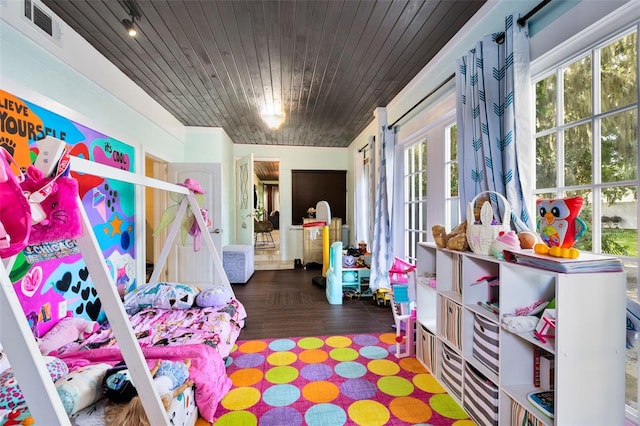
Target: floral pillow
[161,295]
[10,394]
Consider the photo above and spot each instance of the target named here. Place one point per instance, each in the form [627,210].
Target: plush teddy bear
[476,209]
[458,238]
[439,235]
[454,240]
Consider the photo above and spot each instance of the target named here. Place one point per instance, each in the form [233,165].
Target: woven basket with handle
[481,236]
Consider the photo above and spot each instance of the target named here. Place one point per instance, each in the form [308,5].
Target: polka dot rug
[332,380]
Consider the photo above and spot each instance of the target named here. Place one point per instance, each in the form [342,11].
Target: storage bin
[486,342]
[450,324]
[426,349]
[521,417]
[452,371]
[480,397]
[237,261]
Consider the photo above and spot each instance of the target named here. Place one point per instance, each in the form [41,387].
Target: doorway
[267,243]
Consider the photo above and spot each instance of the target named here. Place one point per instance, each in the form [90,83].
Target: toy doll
[125,408]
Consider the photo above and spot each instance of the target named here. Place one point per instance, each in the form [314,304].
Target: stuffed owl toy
[558,223]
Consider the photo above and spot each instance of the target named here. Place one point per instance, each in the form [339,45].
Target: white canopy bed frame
[16,337]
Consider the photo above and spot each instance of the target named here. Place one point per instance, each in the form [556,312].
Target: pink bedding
[207,369]
[204,335]
[218,327]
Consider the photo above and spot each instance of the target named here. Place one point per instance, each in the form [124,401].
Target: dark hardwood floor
[285,303]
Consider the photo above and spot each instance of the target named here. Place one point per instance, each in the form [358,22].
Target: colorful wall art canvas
[51,289]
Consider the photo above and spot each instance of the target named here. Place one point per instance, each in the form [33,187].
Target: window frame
[566,54]
[430,125]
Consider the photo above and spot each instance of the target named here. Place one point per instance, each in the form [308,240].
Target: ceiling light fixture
[273,120]
[134,13]
[129,25]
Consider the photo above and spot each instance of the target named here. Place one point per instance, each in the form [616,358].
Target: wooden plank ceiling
[326,63]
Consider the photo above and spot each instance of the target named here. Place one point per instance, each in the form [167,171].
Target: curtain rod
[532,12]
[521,22]
[367,144]
[448,79]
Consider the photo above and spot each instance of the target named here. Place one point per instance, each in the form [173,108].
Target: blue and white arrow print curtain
[494,118]
[382,250]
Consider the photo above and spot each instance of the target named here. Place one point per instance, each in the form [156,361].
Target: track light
[129,25]
[135,14]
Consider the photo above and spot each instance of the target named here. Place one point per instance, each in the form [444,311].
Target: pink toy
[504,241]
[14,209]
[399,270]
[192,185]
[66,331]
[534,309]
[57,199]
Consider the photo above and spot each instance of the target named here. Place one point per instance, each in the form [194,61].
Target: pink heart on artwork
[31,281]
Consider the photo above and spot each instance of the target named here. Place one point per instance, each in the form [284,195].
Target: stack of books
[585,263]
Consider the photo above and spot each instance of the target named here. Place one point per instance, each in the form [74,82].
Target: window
[365,195]
[415,197]
[587,144]
[452,200]
[311,186]
[426,172]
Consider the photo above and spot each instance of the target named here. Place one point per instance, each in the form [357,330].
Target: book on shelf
[543,369]
[585,263]
[543,400]
[537,353]
[547,371]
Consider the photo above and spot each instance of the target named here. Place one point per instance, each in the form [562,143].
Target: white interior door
[244,200]
[184,264]
[156,203]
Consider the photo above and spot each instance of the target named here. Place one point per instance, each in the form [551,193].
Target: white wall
[46,73]
[213,145]
[34,68]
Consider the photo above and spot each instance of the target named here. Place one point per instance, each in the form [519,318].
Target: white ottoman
[237,260]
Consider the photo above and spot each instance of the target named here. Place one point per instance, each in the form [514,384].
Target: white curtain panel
[494,117]
[365,192]
[371,182]
[382,250]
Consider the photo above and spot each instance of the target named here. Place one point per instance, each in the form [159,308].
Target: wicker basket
[481,236]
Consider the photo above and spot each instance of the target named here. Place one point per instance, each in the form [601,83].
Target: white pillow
[82,387]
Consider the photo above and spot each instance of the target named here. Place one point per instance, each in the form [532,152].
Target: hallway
[269,258]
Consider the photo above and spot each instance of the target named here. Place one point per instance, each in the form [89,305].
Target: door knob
[217,231]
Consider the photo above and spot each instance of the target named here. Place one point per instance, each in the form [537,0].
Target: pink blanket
[207,369]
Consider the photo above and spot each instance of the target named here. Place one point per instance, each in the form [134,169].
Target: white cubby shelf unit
[588,348]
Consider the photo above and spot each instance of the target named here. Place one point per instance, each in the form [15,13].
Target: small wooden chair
[262,233]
